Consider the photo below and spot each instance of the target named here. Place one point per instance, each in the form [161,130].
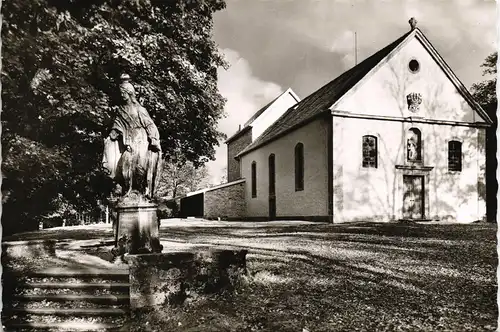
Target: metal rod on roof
[355,48]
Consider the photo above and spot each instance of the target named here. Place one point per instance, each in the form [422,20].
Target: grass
[353,277]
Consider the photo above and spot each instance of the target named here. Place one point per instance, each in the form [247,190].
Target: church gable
[412,81]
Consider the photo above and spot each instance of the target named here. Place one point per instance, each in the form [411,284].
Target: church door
[413,199]
[272,188]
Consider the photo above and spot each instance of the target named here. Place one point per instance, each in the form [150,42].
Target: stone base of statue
[137,227]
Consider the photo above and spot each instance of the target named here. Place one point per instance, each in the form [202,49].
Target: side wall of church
[310,203]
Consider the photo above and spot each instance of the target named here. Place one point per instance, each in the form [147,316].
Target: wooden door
[272,188]
[413,197]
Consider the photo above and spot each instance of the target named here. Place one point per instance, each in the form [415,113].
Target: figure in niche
[414,145]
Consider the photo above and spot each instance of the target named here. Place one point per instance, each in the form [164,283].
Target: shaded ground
[353,277]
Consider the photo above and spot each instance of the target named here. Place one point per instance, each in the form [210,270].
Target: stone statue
[412,150]
[132,152]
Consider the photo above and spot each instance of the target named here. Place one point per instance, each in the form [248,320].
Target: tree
[61,64]
[180,179]
[223,178]
[485,94]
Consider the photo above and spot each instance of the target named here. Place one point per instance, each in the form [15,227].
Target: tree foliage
[61,64]
[179,179]
[223,178]
[485,92]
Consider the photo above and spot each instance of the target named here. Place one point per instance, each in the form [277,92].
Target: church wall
[312,202]
[377,193]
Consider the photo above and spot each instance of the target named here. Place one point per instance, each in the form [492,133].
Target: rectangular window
[454,156]
[254,179]
[369,151]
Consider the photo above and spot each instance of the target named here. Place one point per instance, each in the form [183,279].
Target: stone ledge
[174,278]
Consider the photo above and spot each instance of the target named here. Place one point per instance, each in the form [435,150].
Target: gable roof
[321,100]
[454,78]
[248,124]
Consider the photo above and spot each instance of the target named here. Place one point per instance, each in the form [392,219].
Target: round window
[414,66]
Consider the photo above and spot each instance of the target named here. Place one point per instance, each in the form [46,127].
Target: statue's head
[127,90]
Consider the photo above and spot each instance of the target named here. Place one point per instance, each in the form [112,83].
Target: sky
[272,45]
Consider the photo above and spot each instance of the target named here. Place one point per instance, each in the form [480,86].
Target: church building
[396,137]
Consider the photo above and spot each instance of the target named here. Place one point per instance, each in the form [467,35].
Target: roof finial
[413,23]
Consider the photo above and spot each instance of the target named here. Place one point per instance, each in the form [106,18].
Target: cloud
[245,95]
[344,43]
[292,41]
[244,92]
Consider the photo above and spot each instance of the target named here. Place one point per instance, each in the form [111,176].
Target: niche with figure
[414,145]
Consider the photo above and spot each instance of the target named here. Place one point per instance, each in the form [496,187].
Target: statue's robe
[112,153]
[137,169]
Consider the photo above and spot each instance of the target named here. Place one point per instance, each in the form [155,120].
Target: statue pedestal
[136,229]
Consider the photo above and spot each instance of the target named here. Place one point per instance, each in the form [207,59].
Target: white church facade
[397,137]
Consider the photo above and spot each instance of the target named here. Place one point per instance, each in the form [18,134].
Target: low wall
[226,202]
[171,279]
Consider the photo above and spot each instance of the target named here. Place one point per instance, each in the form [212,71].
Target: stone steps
[87,273]
[105,298]
[69,312]
[66,299]
[65,327]
[75,288]
[79,286]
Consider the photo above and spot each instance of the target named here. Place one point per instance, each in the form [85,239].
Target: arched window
[254,179]
[455,156]
[370,151]
[414,145]
[299,167]
[272,174]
